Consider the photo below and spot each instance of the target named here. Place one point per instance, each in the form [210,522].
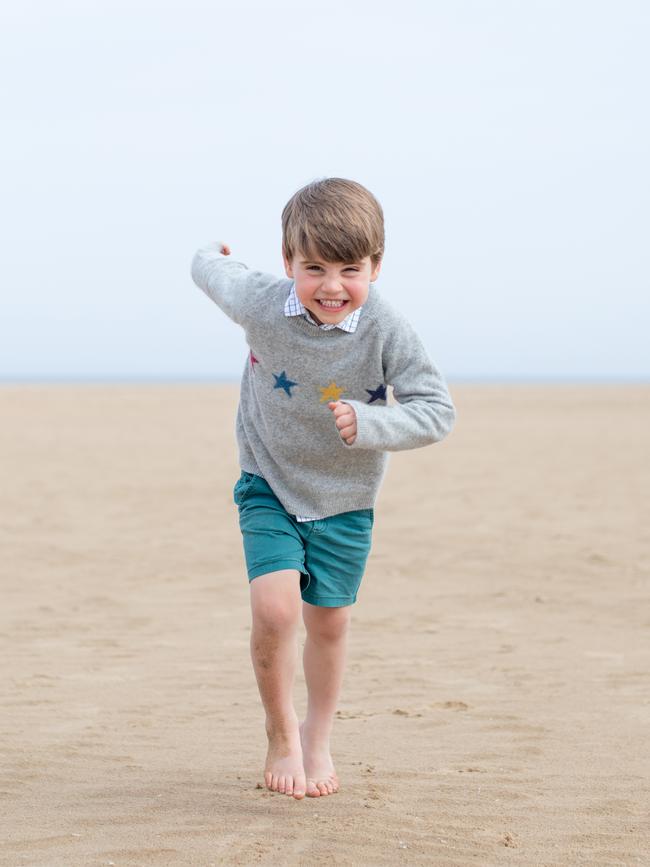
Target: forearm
[410,425]
[221,278]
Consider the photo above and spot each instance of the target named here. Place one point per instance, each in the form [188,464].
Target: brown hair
[336,219]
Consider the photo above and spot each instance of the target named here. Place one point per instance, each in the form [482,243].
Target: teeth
[331,303]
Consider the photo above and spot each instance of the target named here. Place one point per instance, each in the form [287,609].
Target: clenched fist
[346,420]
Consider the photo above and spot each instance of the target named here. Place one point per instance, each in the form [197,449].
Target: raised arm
[235,288]
[222,279]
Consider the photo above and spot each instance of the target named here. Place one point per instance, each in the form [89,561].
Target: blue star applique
[378,394]
[281,381]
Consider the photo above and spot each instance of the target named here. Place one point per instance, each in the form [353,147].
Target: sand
[496,705]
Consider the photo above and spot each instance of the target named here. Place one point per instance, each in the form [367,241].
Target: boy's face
[331,290]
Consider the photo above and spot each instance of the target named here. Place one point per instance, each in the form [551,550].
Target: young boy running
[313,431]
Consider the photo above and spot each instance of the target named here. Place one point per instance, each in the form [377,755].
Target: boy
[313,428]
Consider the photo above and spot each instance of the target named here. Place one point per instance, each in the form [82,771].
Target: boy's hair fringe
[335,219]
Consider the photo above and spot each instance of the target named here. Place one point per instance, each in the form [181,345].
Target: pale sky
[508,143]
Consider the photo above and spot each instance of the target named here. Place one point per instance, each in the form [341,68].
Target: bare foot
[283,771]
[319,767]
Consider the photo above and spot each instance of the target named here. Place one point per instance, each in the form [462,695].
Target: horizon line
[485,379]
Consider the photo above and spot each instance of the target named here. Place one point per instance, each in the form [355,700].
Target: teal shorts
[330,554]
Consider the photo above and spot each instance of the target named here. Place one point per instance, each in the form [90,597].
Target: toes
[312,791]
[285,784]
[318,788]
[299,787]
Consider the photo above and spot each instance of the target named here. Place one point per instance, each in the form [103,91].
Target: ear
[375,271]
[287,263]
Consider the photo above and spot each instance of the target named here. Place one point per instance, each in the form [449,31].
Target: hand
[225,249]
[346,420]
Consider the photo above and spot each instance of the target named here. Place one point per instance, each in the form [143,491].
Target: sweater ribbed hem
[337,508]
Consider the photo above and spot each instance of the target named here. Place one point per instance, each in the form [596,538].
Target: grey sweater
[285,430]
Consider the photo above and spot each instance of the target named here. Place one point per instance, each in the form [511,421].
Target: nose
[331,284]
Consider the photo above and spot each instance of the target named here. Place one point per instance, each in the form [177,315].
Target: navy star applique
[281,381]
[378,394]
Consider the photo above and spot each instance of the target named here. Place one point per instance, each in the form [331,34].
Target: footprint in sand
[451,705]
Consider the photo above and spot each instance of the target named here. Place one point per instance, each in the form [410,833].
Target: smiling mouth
[331,305]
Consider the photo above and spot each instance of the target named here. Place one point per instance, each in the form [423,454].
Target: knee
[328,624]
[276,616]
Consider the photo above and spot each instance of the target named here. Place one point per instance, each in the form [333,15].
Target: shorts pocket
[369,514]
[361,519]
[242,487]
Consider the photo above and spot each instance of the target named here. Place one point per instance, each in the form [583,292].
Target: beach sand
[496,705]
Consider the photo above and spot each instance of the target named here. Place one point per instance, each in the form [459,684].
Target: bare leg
[275,605]
[324,662]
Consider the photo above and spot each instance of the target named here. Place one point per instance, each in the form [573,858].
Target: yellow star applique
[331,392]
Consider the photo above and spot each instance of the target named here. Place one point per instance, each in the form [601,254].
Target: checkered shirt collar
[294,307]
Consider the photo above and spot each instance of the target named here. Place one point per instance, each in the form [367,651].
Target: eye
[352,269]
[313,268]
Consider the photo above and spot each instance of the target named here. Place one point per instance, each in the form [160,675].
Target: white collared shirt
[294,307]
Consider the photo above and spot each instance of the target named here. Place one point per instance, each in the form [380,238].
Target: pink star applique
[254,360]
